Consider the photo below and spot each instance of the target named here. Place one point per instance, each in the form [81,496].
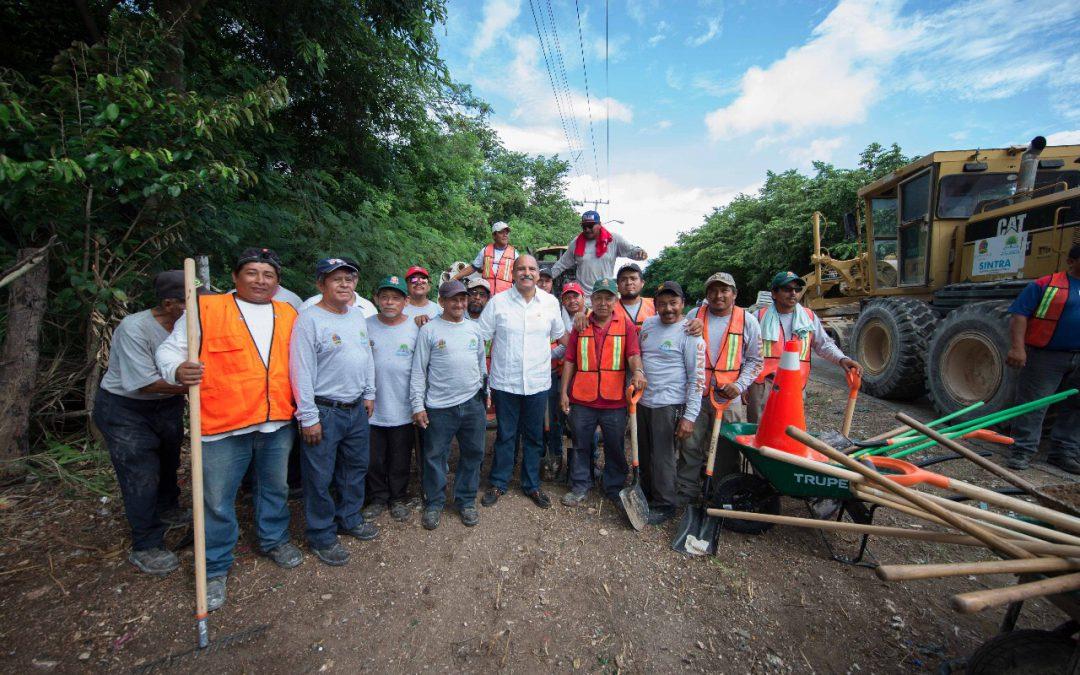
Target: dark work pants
[584,421]
[553,437]
[514,413]
[656,452]
[341,459]
[143,438]
[468,423]
[1048,372]
[391,461]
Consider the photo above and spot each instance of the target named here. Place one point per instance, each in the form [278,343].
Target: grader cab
[945,244]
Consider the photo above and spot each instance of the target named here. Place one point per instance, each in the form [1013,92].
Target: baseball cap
[629,267]
[169,285]
[393,281]
[499,227]
[721,278]
[590,217]
[546,272]
[416,269]
[328,265]
[572,287]
[671,287]
[606,286]
[477,282]
[255,254]
[451,288]
[785,278]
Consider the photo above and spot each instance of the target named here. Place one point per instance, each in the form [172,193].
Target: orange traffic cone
[785,406]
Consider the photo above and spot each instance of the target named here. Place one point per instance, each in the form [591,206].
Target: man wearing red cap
[419,285]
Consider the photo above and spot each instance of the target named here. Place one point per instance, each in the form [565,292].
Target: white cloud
[819,150]
[1064,137]
[673,78]
[540,140]
[498,15]
[655,209]
[660,125]
[638,10]
[615,48]
[661,33]
[712,29]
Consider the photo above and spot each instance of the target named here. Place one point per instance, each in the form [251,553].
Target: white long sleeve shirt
[521,333]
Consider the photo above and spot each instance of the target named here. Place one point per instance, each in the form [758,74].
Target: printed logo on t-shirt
[404,350]
[441,344]
[667,346]
[472,343]
[336,339]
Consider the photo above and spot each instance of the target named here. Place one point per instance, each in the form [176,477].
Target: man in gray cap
[494,262]
[447,391]
[141,417]
[732,361]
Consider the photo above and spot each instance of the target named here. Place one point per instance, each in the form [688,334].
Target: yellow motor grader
[945,244]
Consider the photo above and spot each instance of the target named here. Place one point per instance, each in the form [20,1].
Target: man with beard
[630,282]
[592,253]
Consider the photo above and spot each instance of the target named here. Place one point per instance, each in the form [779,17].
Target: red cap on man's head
[416,269]
[572,287]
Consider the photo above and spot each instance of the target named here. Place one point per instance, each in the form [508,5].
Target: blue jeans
[143,438]
[224,464]
[1047,372]
[514,412]
[612,423]
[340,458]
[468,423]
[553,446]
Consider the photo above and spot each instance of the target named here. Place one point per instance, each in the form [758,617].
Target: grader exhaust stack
[1029,166]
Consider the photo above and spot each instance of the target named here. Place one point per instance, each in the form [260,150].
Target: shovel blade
[635,505]
[690,524]
[707,531]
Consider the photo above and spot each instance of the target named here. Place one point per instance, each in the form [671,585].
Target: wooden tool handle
[809,464]
[854,383]
[191,314]
[633,439]
[1055,518]
[976,601]
[1035,565]
[991,540]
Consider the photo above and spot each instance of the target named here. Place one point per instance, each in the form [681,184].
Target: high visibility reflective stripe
[731,361]
[583,353]
[1047,299]
[616,352]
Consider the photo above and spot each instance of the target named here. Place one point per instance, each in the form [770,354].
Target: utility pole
[594,202]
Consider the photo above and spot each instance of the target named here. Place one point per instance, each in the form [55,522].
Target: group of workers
[368,385]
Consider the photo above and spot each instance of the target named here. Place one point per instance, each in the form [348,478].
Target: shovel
[633,497]
[854,380]
[695,521]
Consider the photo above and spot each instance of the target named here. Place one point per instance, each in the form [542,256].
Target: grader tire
[966,359]
[889,341]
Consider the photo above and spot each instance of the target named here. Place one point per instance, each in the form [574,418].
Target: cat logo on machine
[1012,223]
[819,480]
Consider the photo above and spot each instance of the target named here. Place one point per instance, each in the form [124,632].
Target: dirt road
[527,590]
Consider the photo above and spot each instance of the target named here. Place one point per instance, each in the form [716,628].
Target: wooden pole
[976,601]
[194,339]
[1035,565]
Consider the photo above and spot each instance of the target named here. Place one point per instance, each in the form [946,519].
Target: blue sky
[705,96]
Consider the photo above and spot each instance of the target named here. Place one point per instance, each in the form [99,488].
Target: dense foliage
[755,236]
[138,133]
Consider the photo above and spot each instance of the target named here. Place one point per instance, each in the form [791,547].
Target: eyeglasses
[417,279]
[789,289]
[478,293]
[588,226]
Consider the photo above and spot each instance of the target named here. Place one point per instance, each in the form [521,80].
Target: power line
[607,96]
[560,62]
[588,97]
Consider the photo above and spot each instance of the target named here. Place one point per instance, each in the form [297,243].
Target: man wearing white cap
[494,262]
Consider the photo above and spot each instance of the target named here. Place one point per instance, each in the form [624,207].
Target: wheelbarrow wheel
[1026,651]
[745,492]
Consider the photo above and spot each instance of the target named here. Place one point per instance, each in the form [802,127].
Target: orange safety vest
[1042,324]
[729,359]
[500,277]
[772,349]
[603,374]
[238,390]
[646,310]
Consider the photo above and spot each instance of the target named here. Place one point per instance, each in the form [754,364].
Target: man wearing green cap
[785,319]
[393,340]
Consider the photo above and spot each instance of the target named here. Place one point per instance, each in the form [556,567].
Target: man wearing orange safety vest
[247,410]
[631,304]
[732,361]
[1045,330]
[594,391]
[494,262]
[784,320]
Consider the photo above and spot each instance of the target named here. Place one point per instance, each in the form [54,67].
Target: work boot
[1018,462]
[176,517]
[540,498]
[215,593]
[156,561]
[334,555]
[660,515]
[572,498]
[286,555]
[469,515]
[1065,463]
[373,510]
[491,495]
[364,531]
[430,519]
[399,511]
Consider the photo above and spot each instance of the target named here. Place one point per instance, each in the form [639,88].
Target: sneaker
[659,516]
[399,511]
[1065,463]
[215,593]
[431,519]
[540,499]
[491,495]
[373,510]
[286,555]
[334,555]
[469,515]
[364,531]
[572,498]
[1018,462]
[156,561]
[176,517]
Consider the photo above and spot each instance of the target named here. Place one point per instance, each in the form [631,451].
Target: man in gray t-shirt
[141,416]
[592,253]
[674,365]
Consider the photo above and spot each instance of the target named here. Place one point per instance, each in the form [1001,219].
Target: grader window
[884,219]
[960,195]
